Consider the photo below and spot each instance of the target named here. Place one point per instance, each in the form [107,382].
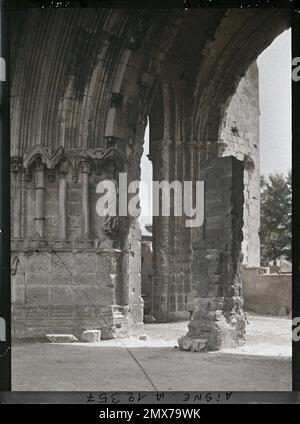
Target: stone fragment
[61,338]
[143,337]
[185,343]
[193,345]
[199,345]
[91,336]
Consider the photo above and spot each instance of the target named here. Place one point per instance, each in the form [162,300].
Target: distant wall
[267,294]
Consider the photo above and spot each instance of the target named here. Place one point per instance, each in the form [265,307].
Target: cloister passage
[83,83]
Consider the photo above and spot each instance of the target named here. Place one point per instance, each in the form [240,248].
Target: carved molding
[49,156]
[68,160]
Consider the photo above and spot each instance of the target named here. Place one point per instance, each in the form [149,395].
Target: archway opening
[257,130]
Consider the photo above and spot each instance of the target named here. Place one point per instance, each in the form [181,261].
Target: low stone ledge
[61,338]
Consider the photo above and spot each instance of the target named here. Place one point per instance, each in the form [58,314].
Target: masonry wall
[69,292]
[216,299]
[69,273]
[267,294]
[240,132]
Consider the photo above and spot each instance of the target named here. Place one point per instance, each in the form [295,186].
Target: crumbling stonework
[216,298]
[240,132]
[83,83]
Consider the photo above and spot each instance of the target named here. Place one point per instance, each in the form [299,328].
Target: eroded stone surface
[91,336]
[193,345]
[61,338]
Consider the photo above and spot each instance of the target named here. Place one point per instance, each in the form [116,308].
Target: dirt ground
[262,364]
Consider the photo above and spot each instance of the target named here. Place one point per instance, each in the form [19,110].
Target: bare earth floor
[264,363]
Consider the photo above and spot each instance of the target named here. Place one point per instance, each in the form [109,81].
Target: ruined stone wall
[64,292]
[240,132]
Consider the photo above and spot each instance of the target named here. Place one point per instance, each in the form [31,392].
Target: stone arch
[239,40]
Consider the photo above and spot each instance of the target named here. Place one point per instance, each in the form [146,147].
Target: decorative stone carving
[102,156]
[16,164]
[49,156]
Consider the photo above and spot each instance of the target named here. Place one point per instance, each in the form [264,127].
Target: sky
[274,66]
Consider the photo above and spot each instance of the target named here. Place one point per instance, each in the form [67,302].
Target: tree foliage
[276,217]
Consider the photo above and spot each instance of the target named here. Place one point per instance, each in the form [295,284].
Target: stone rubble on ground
[193,345]
[143,337]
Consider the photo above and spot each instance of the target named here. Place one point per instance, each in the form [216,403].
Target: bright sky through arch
[275,104]
[274,66]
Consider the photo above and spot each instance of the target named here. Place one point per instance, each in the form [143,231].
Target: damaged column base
[217,329]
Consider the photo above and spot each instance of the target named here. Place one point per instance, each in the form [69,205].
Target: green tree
[276,217]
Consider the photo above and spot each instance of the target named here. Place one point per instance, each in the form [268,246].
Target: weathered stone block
[37,295]
[37,262]
[108,333]
[37,313]
[61,279]
[18,295]
[37,278]
[64,296]
[89,278]
[91,336]
[61,262]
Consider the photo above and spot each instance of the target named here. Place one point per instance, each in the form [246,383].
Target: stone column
[85,201]
[159,155]
[62,203]
[16,169]
[218,316]
[180,239]
[39,199]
